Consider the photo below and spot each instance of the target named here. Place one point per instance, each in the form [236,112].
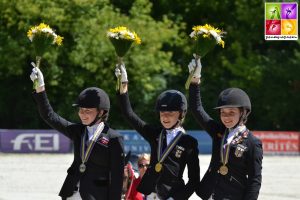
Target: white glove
[192,66]
[170,198]
[121,72]
[36,74]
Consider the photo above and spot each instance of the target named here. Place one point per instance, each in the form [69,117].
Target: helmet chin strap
[97,118]
[175,125]
[179,121]
[243,118]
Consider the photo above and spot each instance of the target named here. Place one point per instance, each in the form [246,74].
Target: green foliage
[87,57]
[267,71]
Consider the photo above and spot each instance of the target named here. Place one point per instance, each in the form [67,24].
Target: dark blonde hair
[144,156]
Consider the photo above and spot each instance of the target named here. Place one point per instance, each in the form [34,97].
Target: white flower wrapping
[44,30]
[122,34]
[212,32]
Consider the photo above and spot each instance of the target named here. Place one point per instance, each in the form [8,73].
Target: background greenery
[267,70]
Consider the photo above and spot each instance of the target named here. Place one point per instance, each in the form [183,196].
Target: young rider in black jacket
[171,148]
[234,172]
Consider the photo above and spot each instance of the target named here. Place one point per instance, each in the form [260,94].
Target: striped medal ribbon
[225,149]
[85,153]
[161,156]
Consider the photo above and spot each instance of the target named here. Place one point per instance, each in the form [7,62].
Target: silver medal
[82,167]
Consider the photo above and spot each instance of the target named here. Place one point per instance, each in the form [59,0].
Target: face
[169,118]
[143,165]
[87,115]
[230,116]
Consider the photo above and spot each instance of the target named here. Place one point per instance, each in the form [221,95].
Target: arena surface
[40,176]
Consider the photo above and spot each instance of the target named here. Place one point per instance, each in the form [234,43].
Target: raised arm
[130,116]
[44,107]
[195,103]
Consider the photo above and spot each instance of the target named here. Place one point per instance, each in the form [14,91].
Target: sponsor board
[51,141]
[279,142]
[33,141]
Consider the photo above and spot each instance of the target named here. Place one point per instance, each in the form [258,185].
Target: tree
[86,58]
[267,71]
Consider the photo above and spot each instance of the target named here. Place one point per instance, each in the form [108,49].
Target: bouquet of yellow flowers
[205,37]
[122,38]
[42,37]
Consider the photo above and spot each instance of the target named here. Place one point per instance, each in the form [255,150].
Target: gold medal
[223,170]
[158,167]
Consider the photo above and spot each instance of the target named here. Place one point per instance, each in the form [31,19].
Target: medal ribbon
[226,149]
[86,154]
[161,156]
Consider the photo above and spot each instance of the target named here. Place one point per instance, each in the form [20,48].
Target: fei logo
[281,21]
[36,142]
[33,141]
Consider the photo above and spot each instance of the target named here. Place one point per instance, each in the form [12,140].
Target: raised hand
[195,67]
[120,71]
[37,77]
[121,74]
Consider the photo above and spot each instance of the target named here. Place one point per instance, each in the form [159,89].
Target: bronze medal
[158,167]
[82,167]
[223,170]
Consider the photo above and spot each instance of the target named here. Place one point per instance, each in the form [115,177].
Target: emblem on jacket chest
[103,141]
[239,151]
[179,150]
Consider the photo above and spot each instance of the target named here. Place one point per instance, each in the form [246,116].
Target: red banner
[279,142]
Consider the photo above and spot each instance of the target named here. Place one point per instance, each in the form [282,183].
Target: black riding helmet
[235,98]
[172,100]
[94,97]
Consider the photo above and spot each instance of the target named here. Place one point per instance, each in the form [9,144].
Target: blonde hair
[144,156]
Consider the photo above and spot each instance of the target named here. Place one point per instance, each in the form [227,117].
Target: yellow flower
[137,39]
[29,34]
[59,40]
[42,26]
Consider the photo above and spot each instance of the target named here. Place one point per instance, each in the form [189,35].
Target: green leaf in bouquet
[121,46]
[41,42]
[203,45]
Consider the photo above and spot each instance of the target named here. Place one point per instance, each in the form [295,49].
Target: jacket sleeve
[202,118]
[193,173]
[255,168]
[117,168]
[135,121]
[51,117]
